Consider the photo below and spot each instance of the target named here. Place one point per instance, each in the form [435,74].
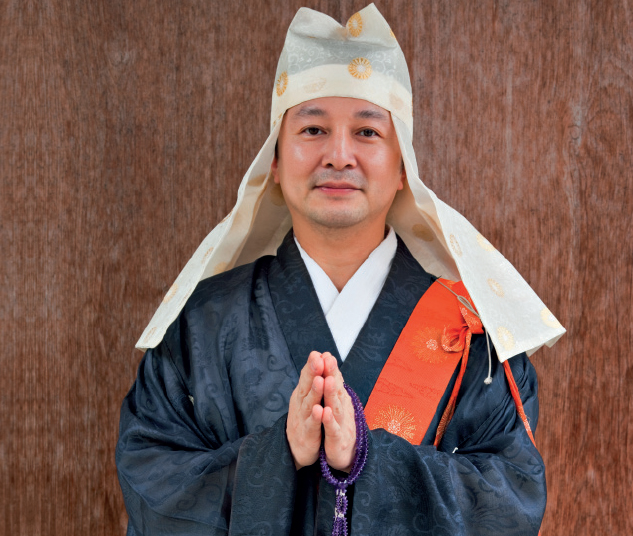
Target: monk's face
[338,162]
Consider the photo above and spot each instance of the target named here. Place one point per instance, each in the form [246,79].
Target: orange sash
[415,376]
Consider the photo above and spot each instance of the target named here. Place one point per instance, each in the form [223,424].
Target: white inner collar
[346,312]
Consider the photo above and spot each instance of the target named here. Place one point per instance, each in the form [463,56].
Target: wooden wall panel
[125,128]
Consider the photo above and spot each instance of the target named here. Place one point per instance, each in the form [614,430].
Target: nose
[339,151]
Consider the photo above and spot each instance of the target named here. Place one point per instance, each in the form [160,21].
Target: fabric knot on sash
[457,338]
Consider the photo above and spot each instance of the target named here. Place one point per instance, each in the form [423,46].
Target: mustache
[347,175]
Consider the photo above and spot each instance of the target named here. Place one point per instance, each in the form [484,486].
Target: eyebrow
[311,111]
[371,114]
[315,111]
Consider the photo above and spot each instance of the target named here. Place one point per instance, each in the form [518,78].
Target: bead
[339,527]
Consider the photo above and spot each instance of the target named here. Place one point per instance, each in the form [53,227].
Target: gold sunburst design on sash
[282,83]
[396,420]
[427,346]
[355,25]
[360,68]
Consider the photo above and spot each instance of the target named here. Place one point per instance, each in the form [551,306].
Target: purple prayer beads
[339,527]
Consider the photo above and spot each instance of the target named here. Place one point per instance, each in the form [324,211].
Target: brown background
[125,127]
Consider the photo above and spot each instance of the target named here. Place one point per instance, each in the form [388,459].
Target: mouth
[337,187]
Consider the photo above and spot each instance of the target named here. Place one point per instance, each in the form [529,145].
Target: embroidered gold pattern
[396,420]
[506,338]
[496,287]
[314,86]
[206,255]
[396,102]
[432,344]
[360,68]
[282,83]
[150,334]
[455,246]
[355,25]
[481,240]
[426,347]
[549,319]
[171,293]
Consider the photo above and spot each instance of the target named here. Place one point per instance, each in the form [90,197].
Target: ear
[403,176]
[274,168]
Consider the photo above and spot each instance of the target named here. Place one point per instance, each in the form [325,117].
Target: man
[245,417]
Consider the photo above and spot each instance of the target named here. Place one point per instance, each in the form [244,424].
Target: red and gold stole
[415,376]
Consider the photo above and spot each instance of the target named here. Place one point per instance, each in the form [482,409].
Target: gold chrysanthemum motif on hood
[360,68]
[282,84]
[355,25]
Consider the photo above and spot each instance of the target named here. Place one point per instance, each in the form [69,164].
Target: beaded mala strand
[339,527]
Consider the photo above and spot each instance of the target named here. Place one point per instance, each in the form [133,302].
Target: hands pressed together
[321,399]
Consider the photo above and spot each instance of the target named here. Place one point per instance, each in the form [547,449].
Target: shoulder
[218,306]
[228,287]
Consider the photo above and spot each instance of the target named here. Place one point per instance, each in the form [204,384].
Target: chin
[338,219]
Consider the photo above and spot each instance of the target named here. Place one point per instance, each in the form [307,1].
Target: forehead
[338,107]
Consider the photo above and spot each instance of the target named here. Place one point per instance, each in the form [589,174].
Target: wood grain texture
[125,128]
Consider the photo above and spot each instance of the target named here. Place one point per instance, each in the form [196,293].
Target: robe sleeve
[487,478]
[178,478]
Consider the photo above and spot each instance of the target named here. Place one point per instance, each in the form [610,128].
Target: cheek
[390,162]
[298,156]
[297,165]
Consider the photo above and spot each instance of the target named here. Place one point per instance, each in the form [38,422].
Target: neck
[340,252]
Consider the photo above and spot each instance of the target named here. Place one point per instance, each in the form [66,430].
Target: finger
[331,369]
[331,427]
[312,429]
[314,396]
[317,415]
[330,365]
[333,396]
[340,441]
[312,368]
[304,436]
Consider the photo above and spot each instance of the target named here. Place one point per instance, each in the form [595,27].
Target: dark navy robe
[203,449]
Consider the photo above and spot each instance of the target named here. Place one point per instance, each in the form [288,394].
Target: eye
[368,133]
[312,131]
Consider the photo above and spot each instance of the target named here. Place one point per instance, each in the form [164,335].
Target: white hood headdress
[363,60]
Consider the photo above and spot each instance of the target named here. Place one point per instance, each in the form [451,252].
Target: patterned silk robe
[203,450]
